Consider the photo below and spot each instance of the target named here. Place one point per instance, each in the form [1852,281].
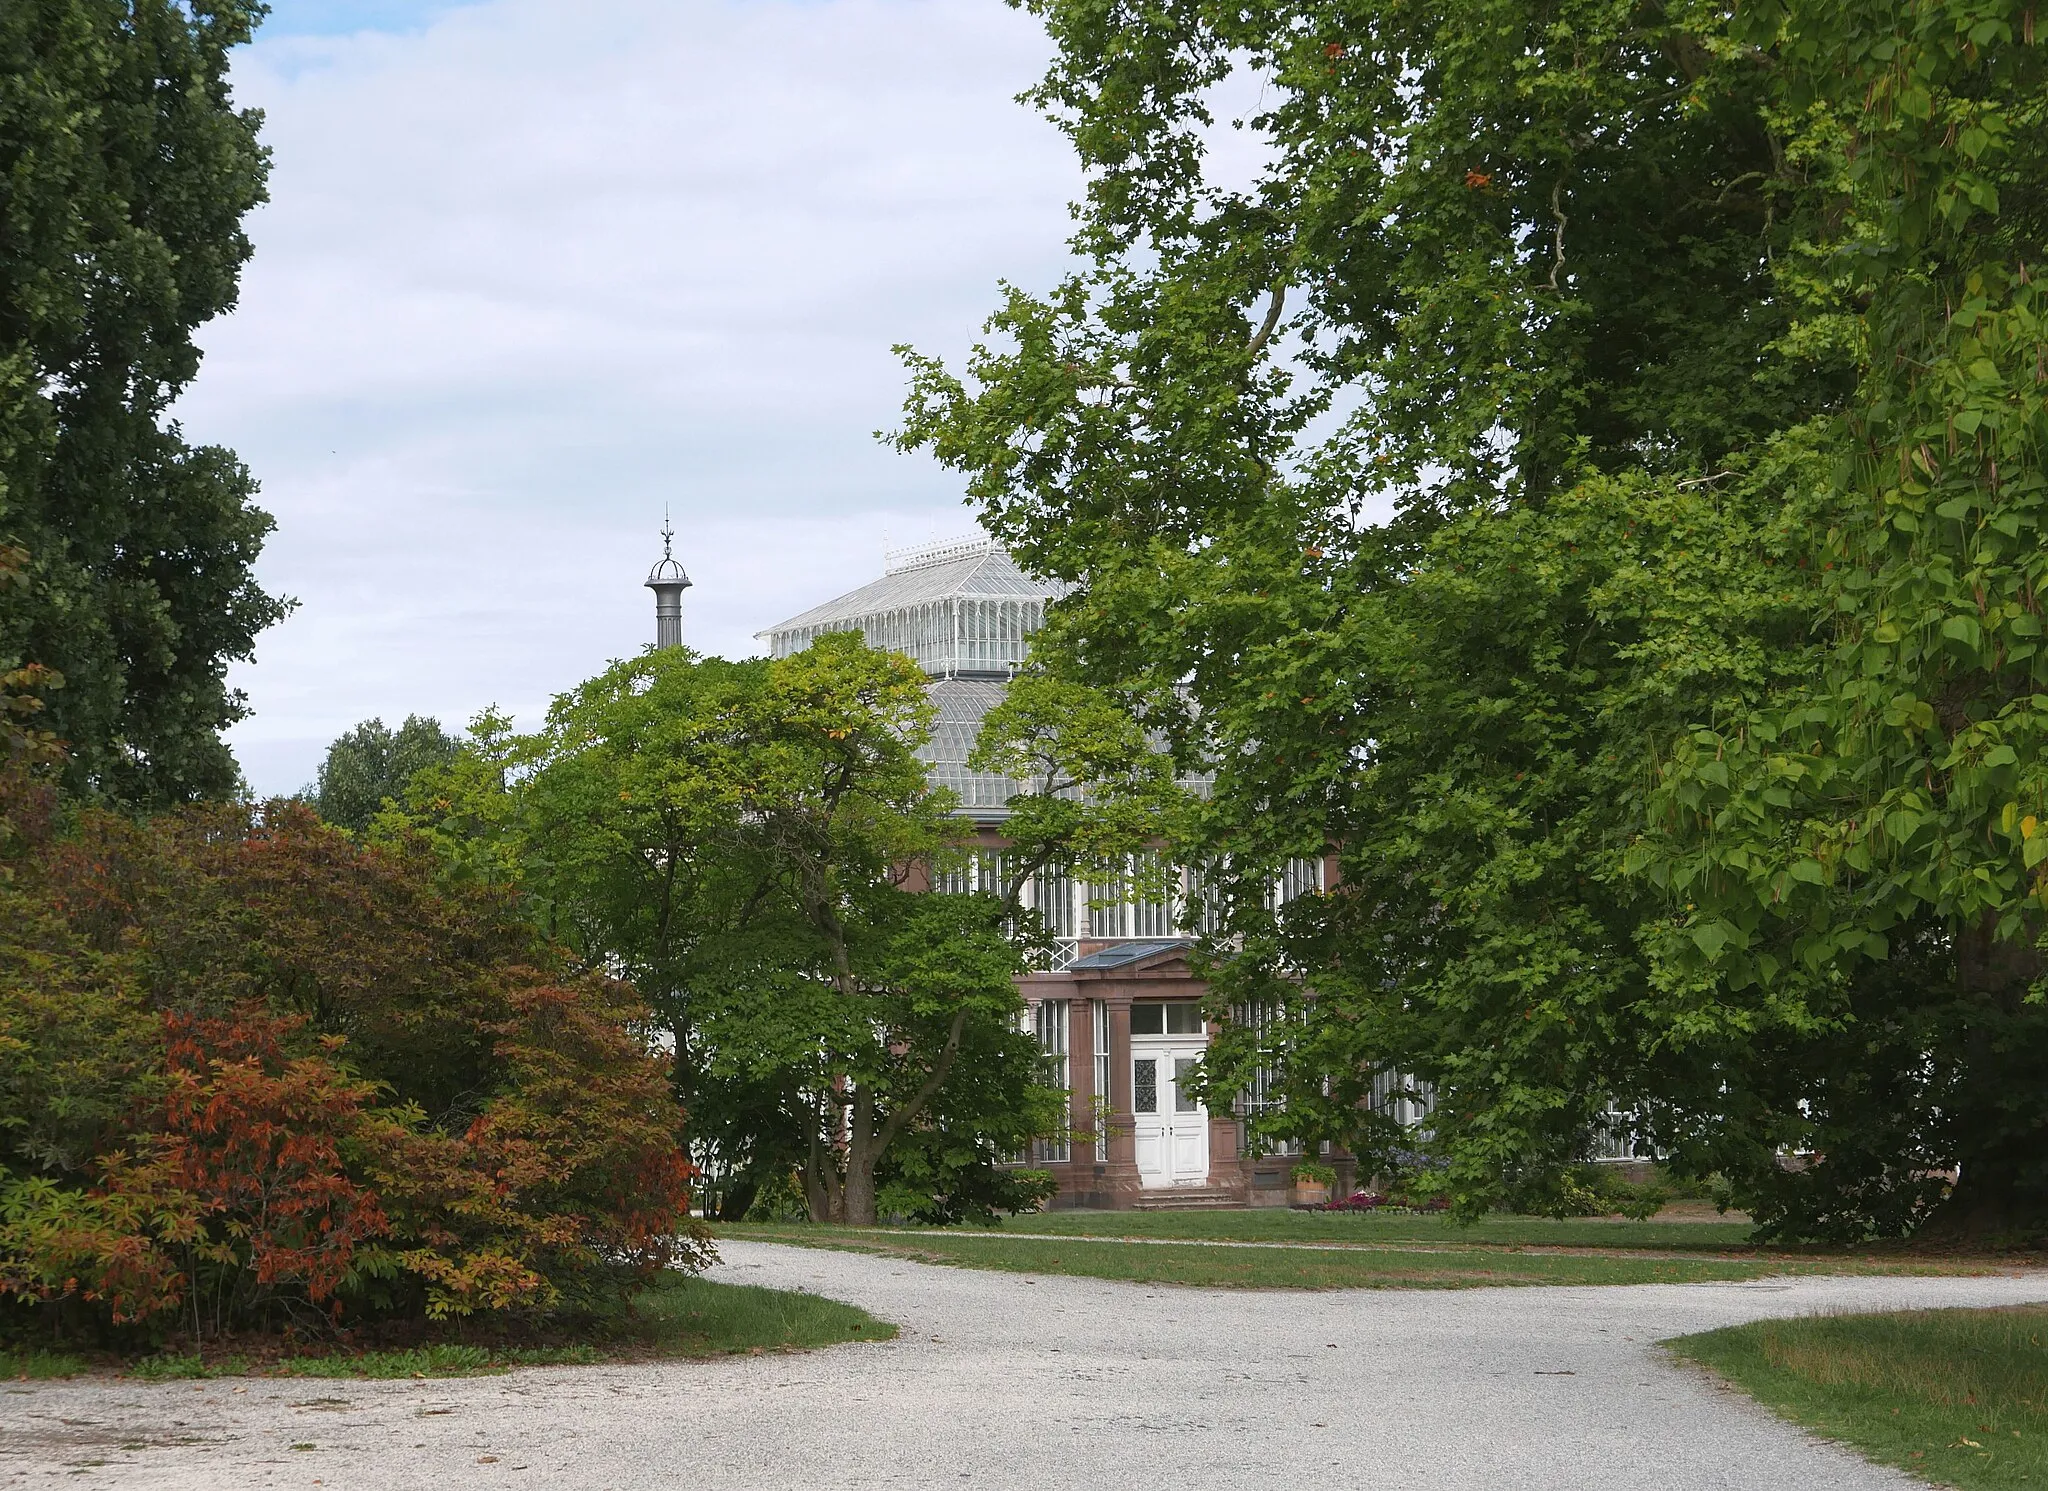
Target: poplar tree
[125,174]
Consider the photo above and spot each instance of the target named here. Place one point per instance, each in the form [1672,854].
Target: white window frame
[1049,1022]
[1098,1019]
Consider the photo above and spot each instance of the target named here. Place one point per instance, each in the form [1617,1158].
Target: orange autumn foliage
[361,1096]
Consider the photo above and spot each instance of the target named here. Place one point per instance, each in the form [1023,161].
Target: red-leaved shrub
[252,1071]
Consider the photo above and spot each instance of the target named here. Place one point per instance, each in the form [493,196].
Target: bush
[943,1180]
[1588,1190]
[779,1199]
[253,1073]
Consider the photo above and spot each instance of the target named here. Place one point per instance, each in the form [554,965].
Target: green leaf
[1964,629]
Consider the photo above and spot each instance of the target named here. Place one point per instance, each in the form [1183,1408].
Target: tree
[1692,348]
[1864,850]
[370,765]
[1097,791]
[125,173]
[29,753]
[745,840]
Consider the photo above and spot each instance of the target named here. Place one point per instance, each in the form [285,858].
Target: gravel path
[1010,1381]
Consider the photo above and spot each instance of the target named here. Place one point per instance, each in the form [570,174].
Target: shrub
[942,1180]
[1588,1190]
[779,1199]
[252,1072]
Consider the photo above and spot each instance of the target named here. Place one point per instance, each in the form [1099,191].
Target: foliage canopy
[125,173]
[1588,475]
[369,766]
[749,843]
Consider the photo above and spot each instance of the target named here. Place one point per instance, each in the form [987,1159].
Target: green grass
[23,1365]
[441,1360]
[1957,1397]
[1280,1224]
[697,1317]
[1372,1265]
[679,1316]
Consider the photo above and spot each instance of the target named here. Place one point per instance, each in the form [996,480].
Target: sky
[533,275]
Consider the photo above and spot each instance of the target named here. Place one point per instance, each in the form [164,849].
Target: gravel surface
[1008,1380]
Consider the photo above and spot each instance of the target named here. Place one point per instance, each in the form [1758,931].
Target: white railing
[895,561]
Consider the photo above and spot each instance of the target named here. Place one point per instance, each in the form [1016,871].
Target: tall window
[982,870]
[1614,1137]
[1206,891]
[1300,877]
[1260,1098]
[1404,1100]
[1050,1020]
[1051,893]
[1098,1021]
[1202,904]
[1126,906]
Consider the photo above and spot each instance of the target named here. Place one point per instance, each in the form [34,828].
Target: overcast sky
[532,272]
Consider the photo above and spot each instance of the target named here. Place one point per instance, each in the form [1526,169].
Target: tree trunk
[2000,1121]
[861,1156]
[822,1192]
[736,1199]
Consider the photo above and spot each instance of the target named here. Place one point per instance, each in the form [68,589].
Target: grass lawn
[1280,1224]
[1381,1260]
[680,1316]
[1957,1397]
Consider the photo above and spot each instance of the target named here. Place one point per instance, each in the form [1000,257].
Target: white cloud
[535,270]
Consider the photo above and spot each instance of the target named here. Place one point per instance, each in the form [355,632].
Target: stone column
[1228,1166]
[1081,1084]
[1120,1178]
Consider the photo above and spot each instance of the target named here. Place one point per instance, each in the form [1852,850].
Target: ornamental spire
[668,582]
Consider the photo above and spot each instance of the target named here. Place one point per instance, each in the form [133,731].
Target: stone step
[1188,1198]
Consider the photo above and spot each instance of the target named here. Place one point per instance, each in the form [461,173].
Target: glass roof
[976,567]
[965,613]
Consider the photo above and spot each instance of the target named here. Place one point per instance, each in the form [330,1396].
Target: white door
[1171,1127]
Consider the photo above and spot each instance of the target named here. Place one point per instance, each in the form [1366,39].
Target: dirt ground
[1019,1381]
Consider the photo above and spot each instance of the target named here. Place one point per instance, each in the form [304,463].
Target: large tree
[125,174]
[747,841]
[1648,322]
[1866,848]
[369,766]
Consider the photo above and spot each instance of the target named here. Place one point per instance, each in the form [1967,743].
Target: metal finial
[668,582]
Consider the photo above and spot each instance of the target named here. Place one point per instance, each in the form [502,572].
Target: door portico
[1151,1133]
[1169,1125]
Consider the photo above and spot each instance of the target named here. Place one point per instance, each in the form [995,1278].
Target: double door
[1170,1126]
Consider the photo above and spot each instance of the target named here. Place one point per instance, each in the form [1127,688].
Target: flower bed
[1374,1201]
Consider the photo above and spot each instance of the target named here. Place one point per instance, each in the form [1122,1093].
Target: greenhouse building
[1116,1006]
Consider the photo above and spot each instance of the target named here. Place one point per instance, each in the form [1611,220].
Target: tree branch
[1557,241]
[1273,309]
[940,1067]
